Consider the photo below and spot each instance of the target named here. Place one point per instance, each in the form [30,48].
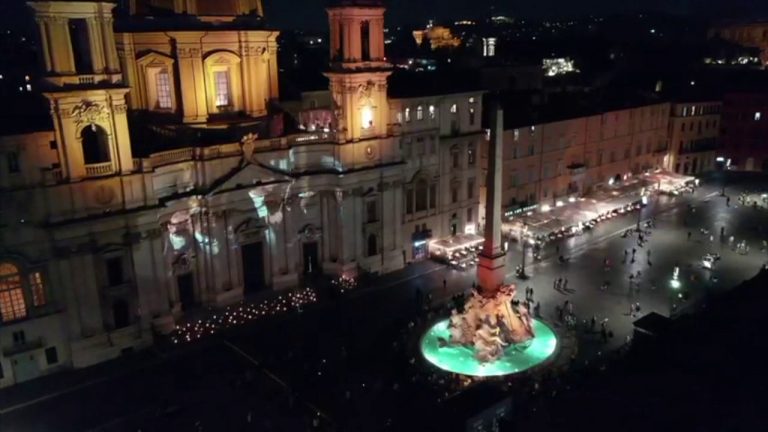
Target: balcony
[99,169]
[29,345]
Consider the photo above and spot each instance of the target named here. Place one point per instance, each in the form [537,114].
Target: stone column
[490,270]
[60,48]
[95,42]
[42,25]
[110,51]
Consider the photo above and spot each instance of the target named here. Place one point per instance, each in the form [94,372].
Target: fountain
[494,334]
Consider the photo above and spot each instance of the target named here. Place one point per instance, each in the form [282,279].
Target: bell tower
[83,83]
[358,70]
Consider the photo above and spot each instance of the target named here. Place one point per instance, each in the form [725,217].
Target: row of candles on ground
[241,314]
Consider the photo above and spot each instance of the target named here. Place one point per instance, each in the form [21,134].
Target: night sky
[310,13]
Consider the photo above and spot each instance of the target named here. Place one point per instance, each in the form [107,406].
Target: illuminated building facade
[437,36]
[753,35]
[169,179]
[547,162]
[694,131]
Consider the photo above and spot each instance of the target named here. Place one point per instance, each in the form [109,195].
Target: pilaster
[192,79]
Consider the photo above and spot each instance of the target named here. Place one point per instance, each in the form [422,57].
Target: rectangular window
[371,212]
[114,267]
[13,162]
[638,150]
[221,82]
[407,114]
[471,116]
[51,356]
[513,180]
[470,188]
[163,82]
[530,149]
[453,109]
[19,337]
[471,156]
[454,195]
[12,304]
[419,113]
[516,134]
[432,196]
[469,215]
[455,159]
[38,288]
[626,153]
[599,158]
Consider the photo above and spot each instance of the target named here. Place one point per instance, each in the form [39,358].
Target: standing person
[727,201]
[689,236]
[445,286]
[648,253]
[565,284]
[592,323]
[722,231]
[604,330]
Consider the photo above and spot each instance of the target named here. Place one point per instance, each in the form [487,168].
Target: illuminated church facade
[168,179]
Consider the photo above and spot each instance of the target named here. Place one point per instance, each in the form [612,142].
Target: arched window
[419,113]
[95,144]
[373,248]
[421,195]
[12,304]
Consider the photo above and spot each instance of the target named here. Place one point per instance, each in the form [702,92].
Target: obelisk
[490,270]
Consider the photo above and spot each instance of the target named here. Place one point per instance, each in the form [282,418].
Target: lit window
[407,114]
[221,82]
[419,113]
[453,108]
[516,134]
[471,155]
[38,288]
[163,84]
[431,112]
[399,117]
[471,100]
[758,115]
[367,117]
[12,305]
[533,129]
[471,116]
